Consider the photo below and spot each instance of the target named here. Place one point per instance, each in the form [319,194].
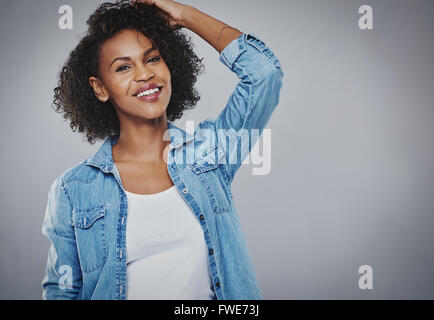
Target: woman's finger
[132,2]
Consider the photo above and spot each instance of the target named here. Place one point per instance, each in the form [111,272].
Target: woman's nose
[143,73]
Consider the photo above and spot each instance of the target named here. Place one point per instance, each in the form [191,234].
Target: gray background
[352,153]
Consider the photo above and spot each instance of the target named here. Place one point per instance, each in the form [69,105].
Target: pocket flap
[209,161]
[86,218]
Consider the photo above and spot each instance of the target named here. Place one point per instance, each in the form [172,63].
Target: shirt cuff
[233,50]
[236,47]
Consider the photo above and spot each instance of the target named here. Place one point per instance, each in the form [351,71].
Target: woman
[131,75]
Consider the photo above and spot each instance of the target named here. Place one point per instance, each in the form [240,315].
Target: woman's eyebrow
[128,58]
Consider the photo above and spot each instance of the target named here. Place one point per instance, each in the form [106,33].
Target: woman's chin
[153,113]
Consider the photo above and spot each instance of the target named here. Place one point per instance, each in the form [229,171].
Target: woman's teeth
[148,92]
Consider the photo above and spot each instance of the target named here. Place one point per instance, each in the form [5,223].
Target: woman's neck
[145,142]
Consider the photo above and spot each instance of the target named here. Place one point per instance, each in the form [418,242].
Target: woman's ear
[98,89]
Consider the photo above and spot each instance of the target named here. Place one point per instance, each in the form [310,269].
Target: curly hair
[75,98]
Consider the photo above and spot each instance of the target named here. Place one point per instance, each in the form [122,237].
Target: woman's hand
[204,25]
[172,9]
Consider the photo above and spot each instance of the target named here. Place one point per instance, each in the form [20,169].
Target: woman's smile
[149,95]
[149,92]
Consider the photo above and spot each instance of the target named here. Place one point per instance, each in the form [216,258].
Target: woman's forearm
[208,28]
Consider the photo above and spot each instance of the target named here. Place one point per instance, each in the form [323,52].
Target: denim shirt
[86,214]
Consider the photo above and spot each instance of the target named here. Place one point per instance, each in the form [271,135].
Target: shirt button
[185,191]
[120,289]
[201,217]
[217,284]
[120,254]
[211,251]
[123,219]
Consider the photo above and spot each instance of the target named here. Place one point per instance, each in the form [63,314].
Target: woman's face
[128,62]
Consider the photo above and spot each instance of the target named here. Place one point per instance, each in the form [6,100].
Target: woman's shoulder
[87,169]
[80,172]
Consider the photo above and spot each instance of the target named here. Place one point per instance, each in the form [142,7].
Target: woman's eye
[154,59]
[121,68]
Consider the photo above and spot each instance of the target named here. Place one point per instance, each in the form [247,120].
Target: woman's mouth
[150,95]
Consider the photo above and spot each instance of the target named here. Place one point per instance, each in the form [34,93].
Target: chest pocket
[206,168]
[90,236]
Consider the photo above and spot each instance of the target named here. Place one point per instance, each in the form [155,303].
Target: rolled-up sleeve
[63,279]
[252,102]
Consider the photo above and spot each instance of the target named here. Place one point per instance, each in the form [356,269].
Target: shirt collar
[103,158]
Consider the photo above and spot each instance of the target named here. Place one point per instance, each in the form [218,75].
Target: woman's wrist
[208,28]
[186,13]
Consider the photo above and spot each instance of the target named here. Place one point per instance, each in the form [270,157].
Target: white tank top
[167,256]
